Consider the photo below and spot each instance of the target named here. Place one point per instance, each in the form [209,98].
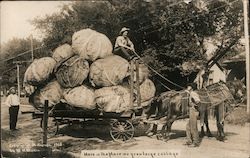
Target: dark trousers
[13,112]
[123,52]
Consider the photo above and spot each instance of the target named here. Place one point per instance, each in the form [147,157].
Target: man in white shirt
[123,45]
[192,134]
[13,101]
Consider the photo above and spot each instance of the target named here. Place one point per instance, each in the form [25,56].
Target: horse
[238,89]
[173,105]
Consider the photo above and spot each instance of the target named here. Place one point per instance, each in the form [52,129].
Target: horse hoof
[150,134]
[220,139]
[209,135]
[166,139]
[159,137]
[202,135]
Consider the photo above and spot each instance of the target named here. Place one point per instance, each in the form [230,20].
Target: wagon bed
[120,124]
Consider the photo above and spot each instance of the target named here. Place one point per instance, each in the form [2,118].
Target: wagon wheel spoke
[130,130]
[127,137]
[52,127]
[118,123]
[128,127]
[118,136]
[124,137]
[114,133]
[122,130]
[115,129]
[130,133]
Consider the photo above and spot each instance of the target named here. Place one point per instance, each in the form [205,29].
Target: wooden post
[246,31]
[1,108]
[18,80]
[137,83]
[18,75]
[45,122]
[131,83]
[31,47]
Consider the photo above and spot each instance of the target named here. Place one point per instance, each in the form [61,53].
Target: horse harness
[208,97]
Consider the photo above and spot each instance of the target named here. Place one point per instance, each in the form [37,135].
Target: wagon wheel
[121,130]
[53,127]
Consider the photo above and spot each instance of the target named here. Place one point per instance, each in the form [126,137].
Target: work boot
[188,143]
[194,145]
[202,134]
[209,134]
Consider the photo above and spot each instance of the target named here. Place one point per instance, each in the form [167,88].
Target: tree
[60,27]
[165,33]
[18,49]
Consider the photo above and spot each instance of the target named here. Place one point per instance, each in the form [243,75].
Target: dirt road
[92,137]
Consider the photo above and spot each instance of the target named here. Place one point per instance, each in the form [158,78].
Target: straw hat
[124,29]
[12,89]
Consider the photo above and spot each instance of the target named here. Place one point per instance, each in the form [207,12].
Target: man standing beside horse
[192,133]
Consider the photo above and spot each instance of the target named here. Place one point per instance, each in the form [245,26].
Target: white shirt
[193,95]
[121,40]
[12,99]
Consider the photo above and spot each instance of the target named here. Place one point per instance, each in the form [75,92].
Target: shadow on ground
[182,133]
[97,130]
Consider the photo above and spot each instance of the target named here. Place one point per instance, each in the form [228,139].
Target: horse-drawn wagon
[64,79]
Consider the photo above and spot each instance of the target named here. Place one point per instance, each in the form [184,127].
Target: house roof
[219,66]
[235,62]
[237,58]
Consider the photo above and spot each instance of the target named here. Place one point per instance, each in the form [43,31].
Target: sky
[15,17]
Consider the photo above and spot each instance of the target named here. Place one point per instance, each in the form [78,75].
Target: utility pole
[18,75]
[246,32]
[1,108]
[31,46]
[18,80]
[20,62]
[132,64]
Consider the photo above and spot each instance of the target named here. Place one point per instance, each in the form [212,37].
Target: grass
[238,116]
[24,100]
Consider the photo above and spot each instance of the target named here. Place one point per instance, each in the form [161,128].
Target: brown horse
[173,105]
[238,89]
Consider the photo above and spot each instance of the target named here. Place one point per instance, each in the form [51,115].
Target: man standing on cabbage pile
[124,47]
